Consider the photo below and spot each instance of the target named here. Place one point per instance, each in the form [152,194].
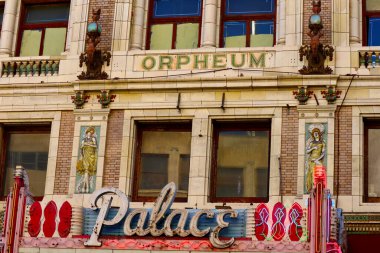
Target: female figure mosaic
[86,165]
[315,152]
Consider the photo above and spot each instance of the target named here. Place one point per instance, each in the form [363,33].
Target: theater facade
[189,126]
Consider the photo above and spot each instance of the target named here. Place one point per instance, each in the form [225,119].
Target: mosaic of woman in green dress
[86,165]
[315,153]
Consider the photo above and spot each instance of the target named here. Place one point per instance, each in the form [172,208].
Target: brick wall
[289,151]
[326,14]
[65,147]
[106,20]
[113,149]
[343,156]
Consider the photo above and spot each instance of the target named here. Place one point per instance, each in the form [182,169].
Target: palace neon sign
[160,212]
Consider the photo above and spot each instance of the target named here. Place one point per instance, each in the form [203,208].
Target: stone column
[69,26]
[8,27]
[282,23]
[121,25]
[354,22]
[78,20]
[209,25]
[138,25]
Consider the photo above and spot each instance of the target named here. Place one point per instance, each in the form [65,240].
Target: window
[1,16]
[248,23]
[371,24]
[240,161]
[371,160]
[162,156]
[27,146]
[43,29]
[174,24]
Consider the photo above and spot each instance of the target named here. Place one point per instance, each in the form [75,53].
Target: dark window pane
[242,164]
[31,152]
[176,8]
[261,180]
[165,157]
[154,173]
[184,169]
[262,27]
[47,13]
[28,160]
[235,34]
[238,7]
[42,159]
[1,16]
[374,32]
[373,163]
[230,182]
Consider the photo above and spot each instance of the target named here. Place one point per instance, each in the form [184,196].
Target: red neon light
[320,175]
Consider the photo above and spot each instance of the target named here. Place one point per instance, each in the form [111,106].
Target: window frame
[369,123]
[141,126]
[8,129]
[239,125]
[247,18]
[365,18]
[172,20]
[23,26]
[2,6]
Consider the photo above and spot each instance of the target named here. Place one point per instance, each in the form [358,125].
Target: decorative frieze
[174,245]
[356,223]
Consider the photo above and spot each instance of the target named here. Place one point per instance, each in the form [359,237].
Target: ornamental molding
[245,245]
[362,223]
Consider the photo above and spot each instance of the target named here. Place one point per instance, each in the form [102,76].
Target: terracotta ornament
[316,53]
[94,58]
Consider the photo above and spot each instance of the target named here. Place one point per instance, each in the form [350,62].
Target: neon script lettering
[160,211]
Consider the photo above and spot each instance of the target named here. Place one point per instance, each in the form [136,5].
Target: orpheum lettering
[201,61]
[160,211]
